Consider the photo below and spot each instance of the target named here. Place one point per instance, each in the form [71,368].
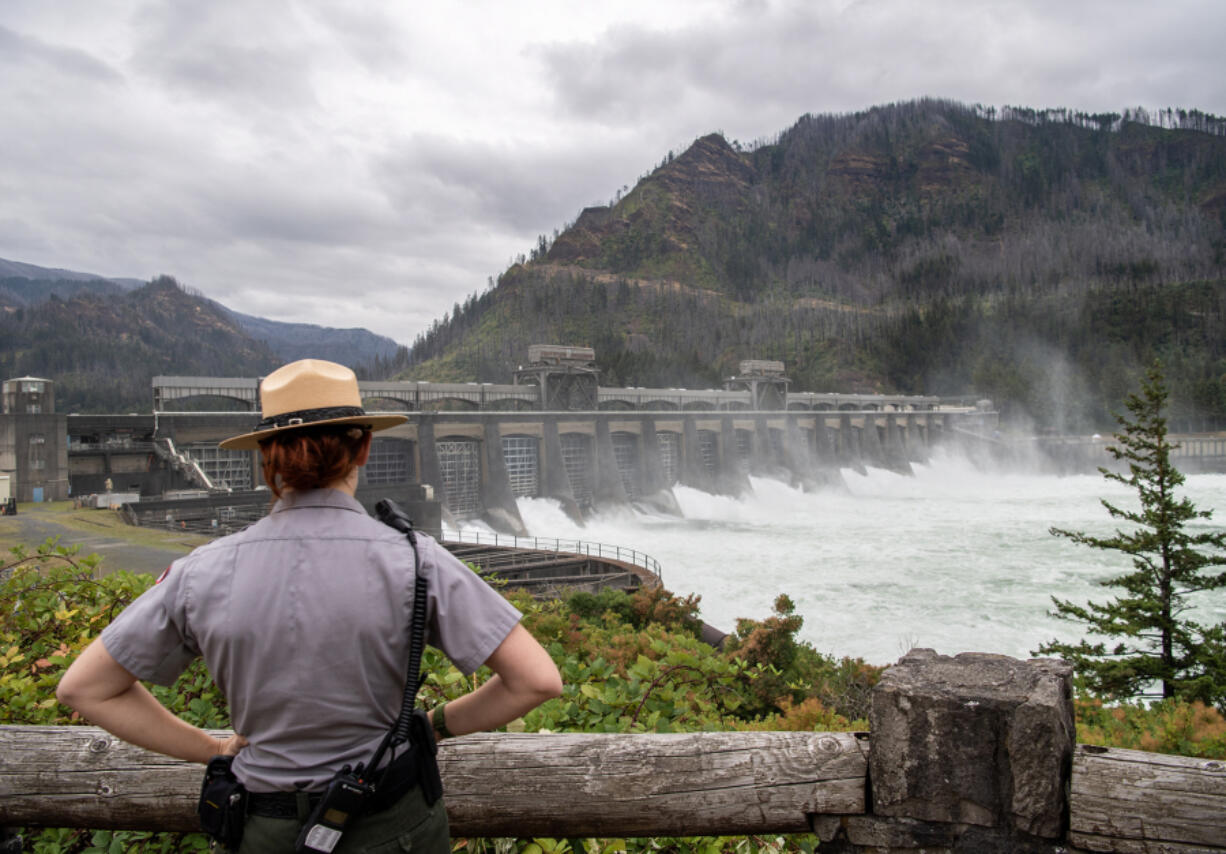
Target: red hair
[310,458]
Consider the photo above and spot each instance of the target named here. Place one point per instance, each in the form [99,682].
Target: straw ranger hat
[309,393]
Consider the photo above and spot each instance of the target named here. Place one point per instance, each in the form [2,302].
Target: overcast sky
[371,163]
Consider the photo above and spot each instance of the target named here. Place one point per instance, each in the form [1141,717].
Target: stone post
[969,753]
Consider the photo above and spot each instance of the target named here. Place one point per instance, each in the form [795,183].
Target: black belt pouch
[223,803]
[417,766]
[422,735]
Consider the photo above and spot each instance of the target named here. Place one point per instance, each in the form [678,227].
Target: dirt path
[121,546]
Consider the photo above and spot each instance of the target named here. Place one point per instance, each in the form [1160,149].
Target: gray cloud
[39,57]
[371,164]
[245,55]
[506,186]
[764,63]
[369,35]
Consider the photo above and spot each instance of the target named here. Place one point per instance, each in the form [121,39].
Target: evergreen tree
[1155,642]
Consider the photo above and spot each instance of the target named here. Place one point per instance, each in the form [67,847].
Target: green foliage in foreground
[1151,641]
[631,663]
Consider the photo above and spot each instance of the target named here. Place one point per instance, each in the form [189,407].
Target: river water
[955,558]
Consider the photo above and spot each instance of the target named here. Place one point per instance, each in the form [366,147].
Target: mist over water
[954,558]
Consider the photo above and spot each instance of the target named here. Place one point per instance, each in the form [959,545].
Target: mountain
[291,341]
[19,270]
[22,292]
[103,349]
[39,308]
[1040,258]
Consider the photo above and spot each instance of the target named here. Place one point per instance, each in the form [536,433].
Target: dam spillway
[479,447]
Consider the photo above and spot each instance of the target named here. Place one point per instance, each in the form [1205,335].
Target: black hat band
[309,416]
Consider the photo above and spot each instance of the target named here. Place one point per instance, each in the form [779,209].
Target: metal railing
[553,544]
[165,448]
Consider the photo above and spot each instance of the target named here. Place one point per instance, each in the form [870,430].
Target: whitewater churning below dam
[954,558]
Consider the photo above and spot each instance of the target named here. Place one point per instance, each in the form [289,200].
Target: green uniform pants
[409,825]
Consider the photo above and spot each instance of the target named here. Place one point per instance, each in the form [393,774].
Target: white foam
[953,558]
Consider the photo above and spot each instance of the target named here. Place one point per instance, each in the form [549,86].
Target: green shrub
[1166,726]
[52,607]
[791,672]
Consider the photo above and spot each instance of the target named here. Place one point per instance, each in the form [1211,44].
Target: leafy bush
[644,607]
[793,672]
[52,607]
[1166,726]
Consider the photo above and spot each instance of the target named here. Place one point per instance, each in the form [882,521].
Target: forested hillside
[102,340]
[356,347]
[103,348]
[1037,258]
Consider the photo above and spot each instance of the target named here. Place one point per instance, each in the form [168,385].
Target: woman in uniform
[303,619]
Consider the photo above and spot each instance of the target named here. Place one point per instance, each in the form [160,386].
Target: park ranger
[304,621]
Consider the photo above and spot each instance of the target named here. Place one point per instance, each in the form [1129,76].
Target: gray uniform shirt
[304,620]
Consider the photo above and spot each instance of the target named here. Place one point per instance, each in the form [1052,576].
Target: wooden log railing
[1128,801]
[496,784]
[967,754]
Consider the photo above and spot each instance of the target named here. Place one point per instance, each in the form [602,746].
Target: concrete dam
[554,433]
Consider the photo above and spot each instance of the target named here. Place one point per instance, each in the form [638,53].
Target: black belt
[280,804]
[403,774]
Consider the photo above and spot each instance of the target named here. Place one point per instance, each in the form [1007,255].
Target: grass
[106,523]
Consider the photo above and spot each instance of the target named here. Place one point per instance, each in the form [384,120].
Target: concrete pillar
[498,507]
[656,493]
[870,444]
[733,477]
[553,480]
[651,469]
[608,487]
[431,473]
[693,472]
[797,457]
[917,447]
[970,753]
[895,453]
[823,444]
[763,460]
[825,460]
[849,445]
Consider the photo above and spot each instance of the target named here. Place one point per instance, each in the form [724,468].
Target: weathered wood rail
[969,754]
[497,784]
